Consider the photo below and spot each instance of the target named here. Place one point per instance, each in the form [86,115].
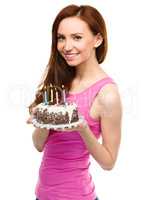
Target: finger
[34,109]
[29,121]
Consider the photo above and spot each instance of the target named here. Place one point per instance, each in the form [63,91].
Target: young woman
[79,46]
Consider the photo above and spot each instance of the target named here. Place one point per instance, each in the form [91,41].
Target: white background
[25,41]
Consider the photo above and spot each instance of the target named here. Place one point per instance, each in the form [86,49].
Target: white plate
[58,126]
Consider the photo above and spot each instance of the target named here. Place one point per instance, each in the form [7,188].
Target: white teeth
[70,56]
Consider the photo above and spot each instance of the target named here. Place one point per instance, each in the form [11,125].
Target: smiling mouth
[70,56]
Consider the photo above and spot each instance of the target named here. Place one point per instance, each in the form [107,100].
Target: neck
[88,70]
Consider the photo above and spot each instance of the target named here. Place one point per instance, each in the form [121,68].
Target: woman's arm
[39,138]
[110,114]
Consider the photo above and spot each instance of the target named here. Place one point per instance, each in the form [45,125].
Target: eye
[77,37]
[60,38]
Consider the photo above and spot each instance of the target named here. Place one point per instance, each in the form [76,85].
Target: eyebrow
[71,34]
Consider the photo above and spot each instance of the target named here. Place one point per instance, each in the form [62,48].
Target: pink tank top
[64,171]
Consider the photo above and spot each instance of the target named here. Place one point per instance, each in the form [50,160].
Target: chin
[72,63]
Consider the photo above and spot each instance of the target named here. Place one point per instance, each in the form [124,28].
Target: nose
[68,46]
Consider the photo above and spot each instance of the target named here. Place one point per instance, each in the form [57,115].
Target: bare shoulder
[108,93]
[109,100]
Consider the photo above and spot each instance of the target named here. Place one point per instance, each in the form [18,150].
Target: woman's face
[76,43]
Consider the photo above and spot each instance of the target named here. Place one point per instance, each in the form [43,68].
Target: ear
[98,40]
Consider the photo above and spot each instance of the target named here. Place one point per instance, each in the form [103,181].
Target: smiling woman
[79,46]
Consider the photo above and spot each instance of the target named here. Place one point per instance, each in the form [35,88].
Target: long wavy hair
[57,71]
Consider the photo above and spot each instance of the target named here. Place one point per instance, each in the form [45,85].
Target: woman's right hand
[29,120]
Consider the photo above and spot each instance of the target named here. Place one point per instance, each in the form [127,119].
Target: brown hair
[57,71]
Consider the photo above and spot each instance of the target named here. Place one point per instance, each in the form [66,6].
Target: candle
[57,97]
[51,91]
[64,94]
[45,95]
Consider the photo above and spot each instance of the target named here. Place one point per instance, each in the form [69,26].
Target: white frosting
[59,108]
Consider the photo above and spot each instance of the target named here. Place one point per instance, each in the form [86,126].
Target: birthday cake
[56,114]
